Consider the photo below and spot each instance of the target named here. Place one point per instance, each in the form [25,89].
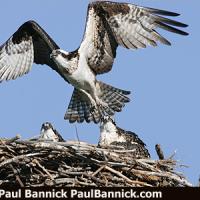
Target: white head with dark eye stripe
[46,126]
[59,52]
[47,132]
[61,57]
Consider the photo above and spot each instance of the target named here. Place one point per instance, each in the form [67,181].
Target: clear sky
[164,81]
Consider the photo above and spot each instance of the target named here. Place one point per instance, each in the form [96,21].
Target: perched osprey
[110,134]
[109,24]
[47,132]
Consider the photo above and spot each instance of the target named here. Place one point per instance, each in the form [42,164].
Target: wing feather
[29,44]
[110,24]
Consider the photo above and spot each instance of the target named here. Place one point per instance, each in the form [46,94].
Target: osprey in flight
[109,24]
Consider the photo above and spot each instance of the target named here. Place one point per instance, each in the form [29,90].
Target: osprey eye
[64,55]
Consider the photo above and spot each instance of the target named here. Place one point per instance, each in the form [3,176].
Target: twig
[77,134]
[17,137]
[59,181]
[43,168]
[16,175]
[50,146]
[15,159]
[95,173]
[172,156]
[97,180]
[182,181]
[146,166]
[126,178]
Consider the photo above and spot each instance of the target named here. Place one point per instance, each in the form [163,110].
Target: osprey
[109,24]
[47,132]
[111,134]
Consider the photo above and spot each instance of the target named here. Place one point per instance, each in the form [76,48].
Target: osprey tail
[80,108]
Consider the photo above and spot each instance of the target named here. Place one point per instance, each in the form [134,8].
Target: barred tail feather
[79,109]
[72,112]
[114,97]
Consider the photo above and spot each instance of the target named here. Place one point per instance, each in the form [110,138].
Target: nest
[42,163]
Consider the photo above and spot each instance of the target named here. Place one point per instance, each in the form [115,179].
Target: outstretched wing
[110,24]
[30,43]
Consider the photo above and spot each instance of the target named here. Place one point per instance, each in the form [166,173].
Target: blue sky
[164,81]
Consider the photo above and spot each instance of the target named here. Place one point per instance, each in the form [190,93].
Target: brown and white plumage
[48,132]
[109,24]
[29,44]
[112,135]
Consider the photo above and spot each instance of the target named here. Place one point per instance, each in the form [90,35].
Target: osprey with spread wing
[109,24]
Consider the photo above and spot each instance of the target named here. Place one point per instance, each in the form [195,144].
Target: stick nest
[33,163]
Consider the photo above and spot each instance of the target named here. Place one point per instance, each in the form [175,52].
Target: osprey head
[46,126]
[59,52]
[61,57]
